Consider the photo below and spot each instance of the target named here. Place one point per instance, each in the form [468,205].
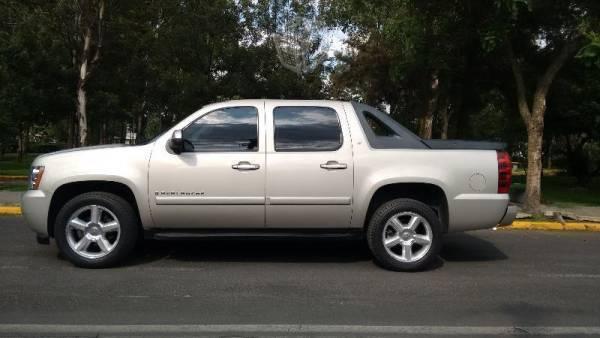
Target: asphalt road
[503,280]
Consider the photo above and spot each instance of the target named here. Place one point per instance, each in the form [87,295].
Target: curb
[13,178]
[10,210]
[545,225]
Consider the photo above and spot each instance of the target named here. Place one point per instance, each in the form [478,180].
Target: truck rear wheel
[404,235]
[96,229]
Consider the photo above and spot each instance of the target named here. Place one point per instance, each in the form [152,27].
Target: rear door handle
[333,165]
[245,165]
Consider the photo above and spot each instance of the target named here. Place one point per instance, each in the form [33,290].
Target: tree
[539,37]
[573,121]
[32,90]
[90,19]
[411,56]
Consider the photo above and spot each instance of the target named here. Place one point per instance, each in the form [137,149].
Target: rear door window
[306,129]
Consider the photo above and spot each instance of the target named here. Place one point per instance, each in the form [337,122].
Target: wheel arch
[428,193]
[68,191]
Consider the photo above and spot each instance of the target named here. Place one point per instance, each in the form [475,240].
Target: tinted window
[306,129]
[226,129]
[378,127]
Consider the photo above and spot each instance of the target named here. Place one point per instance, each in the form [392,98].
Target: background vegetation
[84,72]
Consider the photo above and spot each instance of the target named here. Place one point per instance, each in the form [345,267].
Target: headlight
[35,178]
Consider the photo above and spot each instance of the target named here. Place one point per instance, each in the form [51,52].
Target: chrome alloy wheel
[407,236]
[93,231]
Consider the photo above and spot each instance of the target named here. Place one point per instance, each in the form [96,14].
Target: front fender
[137,185]
[124,165]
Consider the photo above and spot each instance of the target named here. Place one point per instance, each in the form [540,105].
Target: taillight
[504,172]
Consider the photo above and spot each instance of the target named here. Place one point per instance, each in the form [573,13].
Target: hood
[80,149]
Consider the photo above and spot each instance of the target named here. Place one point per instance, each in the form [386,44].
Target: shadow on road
[255,250]
[464,247]
[457,247]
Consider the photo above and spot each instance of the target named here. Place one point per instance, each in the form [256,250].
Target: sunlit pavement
[498,279]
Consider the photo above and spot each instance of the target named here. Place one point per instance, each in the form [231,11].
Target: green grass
[14,186]
[563,190]
[11,166]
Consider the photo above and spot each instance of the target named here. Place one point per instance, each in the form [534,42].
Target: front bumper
[34,206]
[509,216]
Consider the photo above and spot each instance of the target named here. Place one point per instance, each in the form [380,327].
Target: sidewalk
[10,197]
[579,210]
[584,213]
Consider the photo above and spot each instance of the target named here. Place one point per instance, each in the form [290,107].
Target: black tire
[377,225]
[129,230]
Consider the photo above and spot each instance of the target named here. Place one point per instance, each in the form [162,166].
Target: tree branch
[544,83]
[100,36]
[520,84]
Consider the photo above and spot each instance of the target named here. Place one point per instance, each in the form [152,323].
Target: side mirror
[176,142]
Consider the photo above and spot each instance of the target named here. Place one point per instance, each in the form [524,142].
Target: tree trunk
[445,113]
[103,133]
[81,94]
[444,134]
[426,125]
[533,187]
[81,115]
[106,137]
[90,20]
[141,126]
[549,154]
[533,117]
[20,145]
[70,131]
[26,140]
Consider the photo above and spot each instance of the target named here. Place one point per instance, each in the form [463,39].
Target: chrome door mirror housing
[176,142]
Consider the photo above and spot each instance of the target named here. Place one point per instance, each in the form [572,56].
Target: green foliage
[31,71]
[590,28]
[590,53]
[161,60]
[574,120]
[10,165]
[13,186]
[396,48]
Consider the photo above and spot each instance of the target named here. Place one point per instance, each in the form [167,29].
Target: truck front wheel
[404,235]
[96,229]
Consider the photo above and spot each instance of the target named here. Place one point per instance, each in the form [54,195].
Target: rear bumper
[477,211]
[509,216]
[34,207]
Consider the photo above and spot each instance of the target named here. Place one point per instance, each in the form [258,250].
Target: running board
[179,235]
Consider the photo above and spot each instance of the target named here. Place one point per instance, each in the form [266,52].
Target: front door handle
[245,165]
[333,165]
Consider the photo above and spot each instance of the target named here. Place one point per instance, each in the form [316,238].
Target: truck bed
[462,144]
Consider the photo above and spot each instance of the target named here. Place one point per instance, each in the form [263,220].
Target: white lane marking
[565,275]
[299,329]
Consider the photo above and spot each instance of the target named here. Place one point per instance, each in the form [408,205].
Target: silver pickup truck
[271,168]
